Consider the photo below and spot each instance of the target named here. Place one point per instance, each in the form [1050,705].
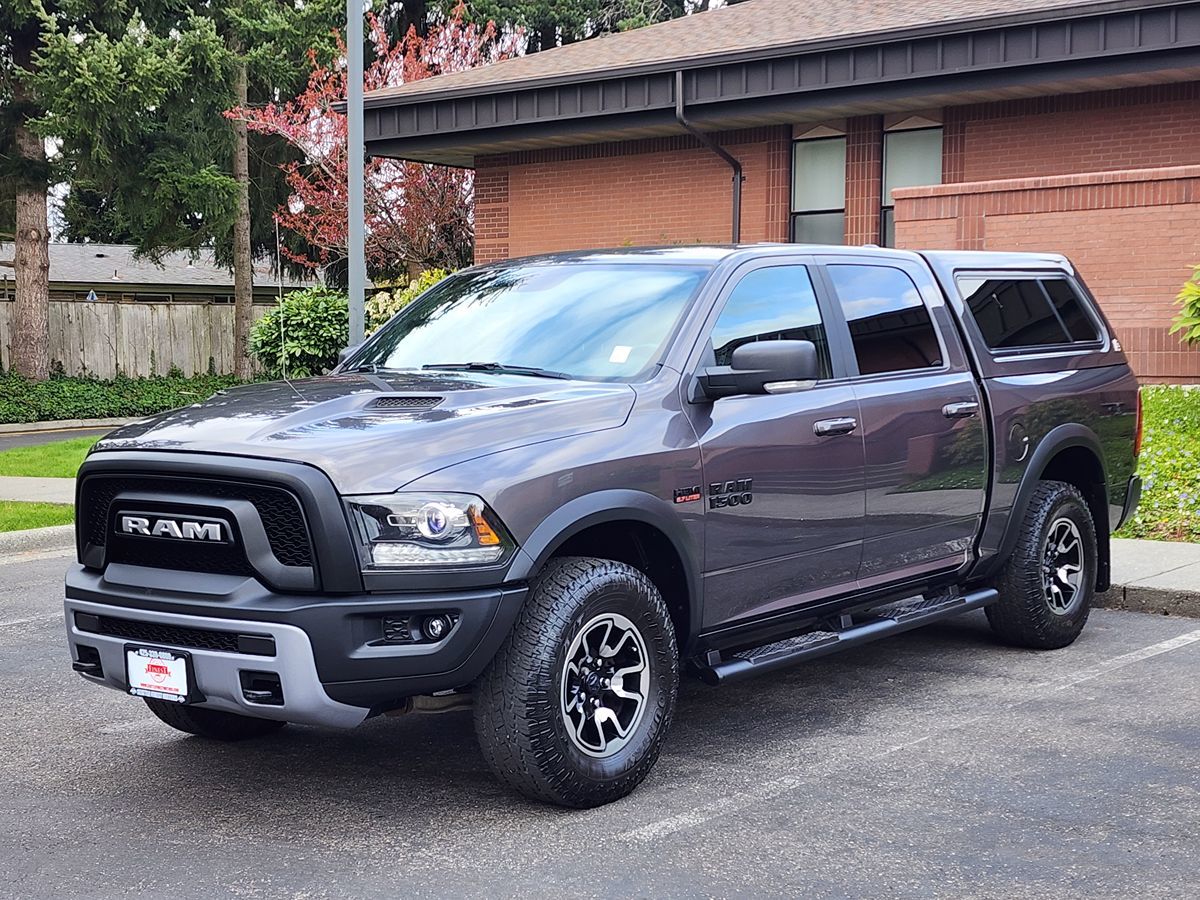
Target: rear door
[925,445]
[783,473]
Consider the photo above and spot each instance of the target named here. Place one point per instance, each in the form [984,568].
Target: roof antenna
[279,301]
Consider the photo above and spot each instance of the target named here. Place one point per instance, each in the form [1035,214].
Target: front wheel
[574,708]
[1047,584]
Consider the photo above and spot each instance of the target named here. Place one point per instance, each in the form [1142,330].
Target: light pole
[356,242]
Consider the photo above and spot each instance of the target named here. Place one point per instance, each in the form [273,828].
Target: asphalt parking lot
[935,764]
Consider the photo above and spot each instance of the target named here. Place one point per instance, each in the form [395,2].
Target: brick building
[1052,125]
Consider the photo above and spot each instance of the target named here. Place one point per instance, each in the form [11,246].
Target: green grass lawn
[59,459]
[1169,466]
[15,516]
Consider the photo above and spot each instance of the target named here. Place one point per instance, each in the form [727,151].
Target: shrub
[1169,466]
[385,304]
[303,335]
[63,397]
[1188,320]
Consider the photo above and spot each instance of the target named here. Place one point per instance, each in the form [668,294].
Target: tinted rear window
[1070,310]
[1026,312]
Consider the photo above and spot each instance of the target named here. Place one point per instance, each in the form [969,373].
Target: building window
[910,158]
[819,190]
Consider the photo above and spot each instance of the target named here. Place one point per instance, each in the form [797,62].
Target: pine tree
[551,23]
[175,173]
[26,29]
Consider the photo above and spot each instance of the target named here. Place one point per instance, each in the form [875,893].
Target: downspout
[716,148]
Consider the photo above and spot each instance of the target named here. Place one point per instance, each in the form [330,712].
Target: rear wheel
[1046,587]
[211,723]
[574,708]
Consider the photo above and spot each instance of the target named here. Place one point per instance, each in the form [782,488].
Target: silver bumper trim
[305,700]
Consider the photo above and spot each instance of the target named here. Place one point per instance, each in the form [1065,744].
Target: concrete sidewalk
[1154,576]
[37,490]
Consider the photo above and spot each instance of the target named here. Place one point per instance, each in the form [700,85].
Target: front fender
[600,507]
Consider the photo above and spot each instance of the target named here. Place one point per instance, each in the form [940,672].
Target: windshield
[594,321]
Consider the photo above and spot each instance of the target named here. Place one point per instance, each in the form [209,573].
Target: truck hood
[374,433]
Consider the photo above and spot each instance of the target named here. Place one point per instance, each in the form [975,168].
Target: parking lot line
[775,787]
[12,623]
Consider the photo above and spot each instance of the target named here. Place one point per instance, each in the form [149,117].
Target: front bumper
[328,652]
[218,674]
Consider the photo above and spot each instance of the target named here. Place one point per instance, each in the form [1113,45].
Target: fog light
[436,627]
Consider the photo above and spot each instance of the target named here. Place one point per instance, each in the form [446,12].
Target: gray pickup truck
[549,484]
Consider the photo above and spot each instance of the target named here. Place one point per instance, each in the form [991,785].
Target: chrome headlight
[403,531]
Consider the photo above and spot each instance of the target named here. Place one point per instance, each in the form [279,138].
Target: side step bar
[891,618]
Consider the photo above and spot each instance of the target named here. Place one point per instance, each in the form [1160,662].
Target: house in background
[111,313]
[1051,125]
[114,274]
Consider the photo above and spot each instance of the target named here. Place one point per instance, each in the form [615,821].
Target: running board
[888,619]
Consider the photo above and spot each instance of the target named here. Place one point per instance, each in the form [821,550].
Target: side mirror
[764,367]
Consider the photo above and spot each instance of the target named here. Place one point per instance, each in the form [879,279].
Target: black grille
[172,635]
[279,510]
[194,556]
[405,402]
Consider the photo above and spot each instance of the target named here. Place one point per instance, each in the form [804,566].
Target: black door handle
[827,427]
[963,410]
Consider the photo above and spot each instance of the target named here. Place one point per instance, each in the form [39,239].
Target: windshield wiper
[497,367]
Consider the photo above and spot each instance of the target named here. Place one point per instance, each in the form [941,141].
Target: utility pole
[356,239]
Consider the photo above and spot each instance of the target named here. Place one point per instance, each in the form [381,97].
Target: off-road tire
[519,716]
[211,723]
[1023,615]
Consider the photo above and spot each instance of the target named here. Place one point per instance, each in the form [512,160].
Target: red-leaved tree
[417,216]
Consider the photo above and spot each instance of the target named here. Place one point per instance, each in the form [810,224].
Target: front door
[921,420]
[783,473]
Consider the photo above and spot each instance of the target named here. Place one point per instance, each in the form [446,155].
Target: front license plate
[158,674]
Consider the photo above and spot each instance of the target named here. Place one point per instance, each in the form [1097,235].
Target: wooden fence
[135,339]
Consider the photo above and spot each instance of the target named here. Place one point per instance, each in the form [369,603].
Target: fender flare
[599,507]
[1059,438]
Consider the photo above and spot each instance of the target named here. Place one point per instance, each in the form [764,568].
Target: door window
[889,324]
[771,304]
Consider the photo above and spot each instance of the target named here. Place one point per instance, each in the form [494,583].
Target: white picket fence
[135,339]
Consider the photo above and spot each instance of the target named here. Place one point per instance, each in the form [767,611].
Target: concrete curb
[62,425]
[55,537]
[1159,601]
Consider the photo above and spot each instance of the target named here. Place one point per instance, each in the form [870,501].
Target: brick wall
[491,210]
[864,178]
[1131,233]
[1091,132]
[660,191]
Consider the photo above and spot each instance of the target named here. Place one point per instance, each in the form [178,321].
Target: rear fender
[1058,439]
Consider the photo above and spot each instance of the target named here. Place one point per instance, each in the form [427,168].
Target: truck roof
[711,254]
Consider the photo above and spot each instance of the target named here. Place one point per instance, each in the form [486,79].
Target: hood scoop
[404,402]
